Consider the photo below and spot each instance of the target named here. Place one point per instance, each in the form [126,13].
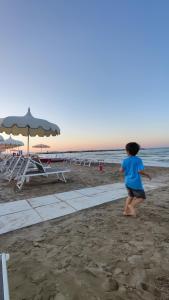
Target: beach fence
[4,289]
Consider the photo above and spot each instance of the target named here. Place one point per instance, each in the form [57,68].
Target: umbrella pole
[28,143]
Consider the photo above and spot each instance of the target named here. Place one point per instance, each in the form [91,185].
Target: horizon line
[99,150]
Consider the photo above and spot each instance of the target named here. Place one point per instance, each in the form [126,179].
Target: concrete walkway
[23,213]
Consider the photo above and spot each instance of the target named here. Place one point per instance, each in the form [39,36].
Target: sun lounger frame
[27,174]
[82,162]
[11,173]
[6,163]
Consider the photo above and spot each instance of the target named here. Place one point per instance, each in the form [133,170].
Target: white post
[5,257]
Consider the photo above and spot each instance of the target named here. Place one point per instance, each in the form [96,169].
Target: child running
[133,168]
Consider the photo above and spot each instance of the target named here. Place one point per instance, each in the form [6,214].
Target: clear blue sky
[97,68]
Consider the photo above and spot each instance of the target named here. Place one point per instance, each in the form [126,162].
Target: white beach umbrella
[1,140]
[12,143]
[28,126]
[2,143]
[9,143]
[42,146]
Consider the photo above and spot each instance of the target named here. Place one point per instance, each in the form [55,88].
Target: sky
[99,69]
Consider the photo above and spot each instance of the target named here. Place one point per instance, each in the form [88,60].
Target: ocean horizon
[158,157]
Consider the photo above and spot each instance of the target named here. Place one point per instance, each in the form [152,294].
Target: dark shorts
[136,193]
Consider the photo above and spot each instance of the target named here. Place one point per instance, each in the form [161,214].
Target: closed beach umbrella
[41,146]
[28,126]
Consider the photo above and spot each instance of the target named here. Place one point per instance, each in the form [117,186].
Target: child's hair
[132,148]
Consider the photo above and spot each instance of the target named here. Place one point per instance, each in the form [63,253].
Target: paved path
[23,213]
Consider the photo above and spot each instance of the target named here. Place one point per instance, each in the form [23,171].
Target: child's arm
[145,174]
[121,170]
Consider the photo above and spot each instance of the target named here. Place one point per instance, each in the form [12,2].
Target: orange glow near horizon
[76,142]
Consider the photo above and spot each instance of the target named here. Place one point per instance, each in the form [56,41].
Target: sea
[150,156]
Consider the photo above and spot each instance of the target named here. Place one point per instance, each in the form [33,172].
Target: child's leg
[133,205]
[127,203]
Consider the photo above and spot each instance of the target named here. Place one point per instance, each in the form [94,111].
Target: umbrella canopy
[2,143]
[28,126]
[1,139]
[41,146]
[11,143]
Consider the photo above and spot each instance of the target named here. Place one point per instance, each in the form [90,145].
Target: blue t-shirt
[131,166]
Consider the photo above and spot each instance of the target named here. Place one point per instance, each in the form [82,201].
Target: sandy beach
[79,177]
[95,254]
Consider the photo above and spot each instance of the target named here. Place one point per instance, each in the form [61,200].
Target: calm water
[151,157]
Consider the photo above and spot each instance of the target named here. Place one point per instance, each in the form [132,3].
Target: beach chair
[6,163]
[73,160]
[4,289]
[9,167]
[10,164]
[12,171]
[25,165]
[79,161]
[26,172]
[87,162]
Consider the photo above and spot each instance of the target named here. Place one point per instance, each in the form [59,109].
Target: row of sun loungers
[82,162]
[21,169]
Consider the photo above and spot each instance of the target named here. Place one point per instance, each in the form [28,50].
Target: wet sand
[95,254]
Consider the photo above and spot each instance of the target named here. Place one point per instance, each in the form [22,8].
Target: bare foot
[126,211]
[132,211]
[127,214]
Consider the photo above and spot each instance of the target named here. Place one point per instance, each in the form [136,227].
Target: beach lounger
[25,172]
[6,163]
[72,160]
[9,164]
[4,289]
[68,160]
[25,165]
[79,161]
[12,171]
[87,162]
